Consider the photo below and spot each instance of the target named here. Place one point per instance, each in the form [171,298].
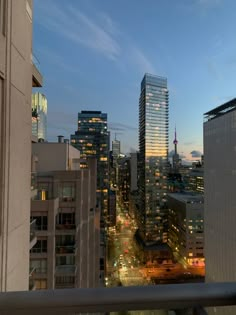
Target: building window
[67,191]
[41,222]
[38,265]
[65,244]
[66,221]
[40,247]
[65,260]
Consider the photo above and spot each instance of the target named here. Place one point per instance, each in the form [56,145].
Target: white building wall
[62,156]
[15,143]
[220,201]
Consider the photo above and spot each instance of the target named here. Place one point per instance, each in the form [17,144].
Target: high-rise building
[66,220]
[220,197]
[153,147]
[18,74]
[115,149]
[115,157]
[92,140]
[39,116]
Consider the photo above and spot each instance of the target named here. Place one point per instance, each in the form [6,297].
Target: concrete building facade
[67,222]
[17,76]
[220,197]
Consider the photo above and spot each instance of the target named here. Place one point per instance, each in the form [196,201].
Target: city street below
[124,266]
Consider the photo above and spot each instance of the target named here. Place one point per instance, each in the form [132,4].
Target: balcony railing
[65,226]
[65,270]
[65,249]
[190,298]
[36,74]
[33,238]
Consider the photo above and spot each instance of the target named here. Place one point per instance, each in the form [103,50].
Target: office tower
[124,180]
[17,76]
[196,179]
[39,116]
[133,171]
[92,140]
[186,232]
[153,147]
[67,253]
[115,149]
[115,157]
[220,197]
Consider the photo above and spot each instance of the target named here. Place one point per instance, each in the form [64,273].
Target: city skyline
[107,50]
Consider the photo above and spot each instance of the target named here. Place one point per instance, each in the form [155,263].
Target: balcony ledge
[69,301]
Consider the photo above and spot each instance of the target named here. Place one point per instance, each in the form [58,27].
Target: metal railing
[65,226]
[65,249]
[32,230]
[70,301]
[65,269]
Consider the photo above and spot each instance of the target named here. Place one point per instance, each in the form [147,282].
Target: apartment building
[66,218]
[186,228]
[18,74]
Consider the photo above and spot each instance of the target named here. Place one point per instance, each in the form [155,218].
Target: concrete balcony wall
[37,78]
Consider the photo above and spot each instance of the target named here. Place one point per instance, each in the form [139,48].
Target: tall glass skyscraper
[92,140]
[153,146]
[39,116]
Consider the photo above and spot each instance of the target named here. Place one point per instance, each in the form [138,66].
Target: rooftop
[188,197]
[220,110]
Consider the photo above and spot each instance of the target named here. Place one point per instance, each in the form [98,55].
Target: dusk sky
[93,55]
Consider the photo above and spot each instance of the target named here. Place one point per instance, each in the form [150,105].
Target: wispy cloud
[115,126]
[96,31]
[94,35]
[141,60]
[57,60]
[196,154]
[76,26]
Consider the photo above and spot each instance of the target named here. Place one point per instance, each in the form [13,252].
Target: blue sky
[94,53]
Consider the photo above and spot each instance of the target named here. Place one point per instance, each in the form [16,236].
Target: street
[124,266]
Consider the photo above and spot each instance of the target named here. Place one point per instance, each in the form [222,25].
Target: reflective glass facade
[39,116]
[153,146]
[92,140]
